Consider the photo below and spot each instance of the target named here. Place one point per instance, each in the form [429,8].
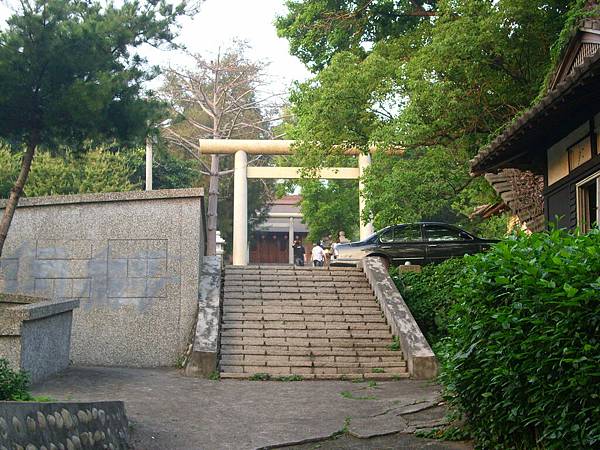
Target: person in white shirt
[318,255]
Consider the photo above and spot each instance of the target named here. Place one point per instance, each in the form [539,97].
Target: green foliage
[42,399]
[449,433]
[395,345]
[9,170]
[426,294]
[323,211]
[289,378]
[440,89]
[95,171]
[170,171]
[579,10]
[14,385]
[521,362]
[215,375]
[260,377]
[317,29]
[350,396]
[69,75]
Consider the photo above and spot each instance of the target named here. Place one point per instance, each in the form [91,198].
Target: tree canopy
[70,77]
[219,98]
[318,29]
[440,90]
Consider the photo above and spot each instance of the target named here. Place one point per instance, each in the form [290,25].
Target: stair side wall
[422,363]
[205,351]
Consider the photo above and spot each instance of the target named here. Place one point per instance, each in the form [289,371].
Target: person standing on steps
[299,252]
[326,243]
[318,255]
[342,239]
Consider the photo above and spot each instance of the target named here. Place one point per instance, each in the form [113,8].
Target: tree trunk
[15,193]
[213,199]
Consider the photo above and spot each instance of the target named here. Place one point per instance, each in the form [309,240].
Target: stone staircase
[313,323]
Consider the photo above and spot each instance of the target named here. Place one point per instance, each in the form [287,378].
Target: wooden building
[271,240]
[556,141]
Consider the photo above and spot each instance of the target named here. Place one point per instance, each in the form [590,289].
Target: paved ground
[172,412]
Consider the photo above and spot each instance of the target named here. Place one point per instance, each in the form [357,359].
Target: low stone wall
[132,259]
[35,333]
[204,357]
[63,426]
[421,361]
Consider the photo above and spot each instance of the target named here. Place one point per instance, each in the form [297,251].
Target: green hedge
[523,358]
[427,295]
[14,385]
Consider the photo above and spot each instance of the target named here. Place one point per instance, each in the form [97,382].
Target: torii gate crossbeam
[241,148]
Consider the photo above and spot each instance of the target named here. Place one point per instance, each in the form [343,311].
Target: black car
[414,243]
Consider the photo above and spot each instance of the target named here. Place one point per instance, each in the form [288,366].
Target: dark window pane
[387,235]
[590,205]
[407,233]
[440,233]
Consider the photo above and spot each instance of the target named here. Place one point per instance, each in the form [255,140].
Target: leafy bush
[427,295]
[94,171]
[523,358]
[13,384]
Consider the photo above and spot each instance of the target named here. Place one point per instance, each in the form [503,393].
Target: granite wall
[63,426]
[132,259]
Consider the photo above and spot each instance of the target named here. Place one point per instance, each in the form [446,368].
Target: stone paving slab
[170,411]
[395,441]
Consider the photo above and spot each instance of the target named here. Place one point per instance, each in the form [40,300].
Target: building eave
[522,143]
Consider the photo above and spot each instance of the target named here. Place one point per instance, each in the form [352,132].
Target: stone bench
[35,333]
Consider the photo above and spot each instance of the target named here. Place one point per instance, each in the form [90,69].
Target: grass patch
[180,362]
[349,395]
[289,378]
[268,377]
[345,429]
[260,377]
[42,399]
[377,370]
[449,433]
[395,345]
[214,376]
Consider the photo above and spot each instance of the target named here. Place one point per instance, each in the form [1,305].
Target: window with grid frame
[588,193]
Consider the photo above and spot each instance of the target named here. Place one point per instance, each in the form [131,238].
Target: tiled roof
[288,200]
[552,109]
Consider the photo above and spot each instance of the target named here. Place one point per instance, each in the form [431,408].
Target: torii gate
[242,148]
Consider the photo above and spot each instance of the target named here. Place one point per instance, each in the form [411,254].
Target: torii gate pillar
[366,229]
[240,209]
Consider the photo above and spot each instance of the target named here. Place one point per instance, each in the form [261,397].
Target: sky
[217,24]
[220,22]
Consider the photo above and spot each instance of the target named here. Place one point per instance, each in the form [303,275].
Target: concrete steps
[309,322]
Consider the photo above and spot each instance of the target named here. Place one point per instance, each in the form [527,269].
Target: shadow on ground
[171,412]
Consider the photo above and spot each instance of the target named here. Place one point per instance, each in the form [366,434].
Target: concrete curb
[421,361]
[204,357]
[66,425]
